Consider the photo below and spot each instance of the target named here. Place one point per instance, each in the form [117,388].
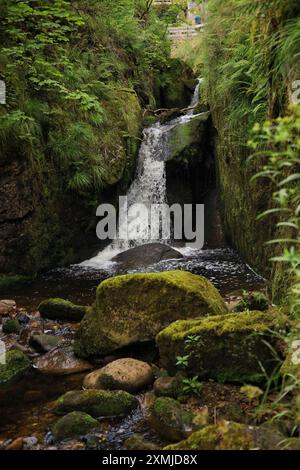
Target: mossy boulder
[60,309]
[11,326]
[135,307]
[15,367]
[170,420]
[228,348]
[96,402]
[43,342]
[228,435]
[72,425]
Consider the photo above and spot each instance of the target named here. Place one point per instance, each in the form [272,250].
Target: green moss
[15,367]
[97,402]
[60,309]
[72,425]
[170,420]
[230,347]
[12,283]
[11,326]
[223,436]
[134,307]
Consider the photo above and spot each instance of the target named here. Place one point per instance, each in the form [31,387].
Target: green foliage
[277,145]
[192,386]
[68,67]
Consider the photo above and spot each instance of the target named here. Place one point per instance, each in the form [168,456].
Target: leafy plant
[182,361]
[192,386]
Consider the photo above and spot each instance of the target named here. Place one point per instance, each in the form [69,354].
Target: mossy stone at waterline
[60,309]
[135,307]
[97,402]
[15,367]
[229,348]
[11,326]
[72,425]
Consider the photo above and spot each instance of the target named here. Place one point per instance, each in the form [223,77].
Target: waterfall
[149,186]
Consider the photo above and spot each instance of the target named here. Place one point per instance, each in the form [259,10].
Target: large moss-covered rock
[170,420]
[60,309]
[228,348]
[15,367]
[228,435]
[135,307]
[72,425]
[96,402]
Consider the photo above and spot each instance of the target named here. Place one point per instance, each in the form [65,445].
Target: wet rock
[15,367]
[138,442]
[29,443]
[135,307]
[170,420]
[61,361]
[16,444]
[167,387]
[60,309]
[145,255]
[44,343]
[227,435]
[73,424]
[7,307]
[123,374]
[228,348]
[96,402]
[23,318]
[11,326]
[252,301]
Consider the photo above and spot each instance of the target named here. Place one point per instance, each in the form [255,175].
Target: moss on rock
[15,367]
[135,307]
[96,402]
[230,348]
[170,420]
[72,425]
[60,309]
[11,326]
[223,436]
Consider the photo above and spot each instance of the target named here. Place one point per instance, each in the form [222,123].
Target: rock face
[227,435]
[167,387]
[138,442]
[145,255]
[61,362]
[170,420]
[72,425]
[123,374]
[97,402]
[16,366]
[7,307]
[135,307]
[60,309]
[227,347]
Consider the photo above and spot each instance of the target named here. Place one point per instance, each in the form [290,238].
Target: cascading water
[148,187]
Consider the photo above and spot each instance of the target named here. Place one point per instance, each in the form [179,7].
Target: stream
[26,409]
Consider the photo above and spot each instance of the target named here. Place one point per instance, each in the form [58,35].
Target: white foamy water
[148,188]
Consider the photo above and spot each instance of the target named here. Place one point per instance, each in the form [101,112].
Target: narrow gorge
[146,341]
